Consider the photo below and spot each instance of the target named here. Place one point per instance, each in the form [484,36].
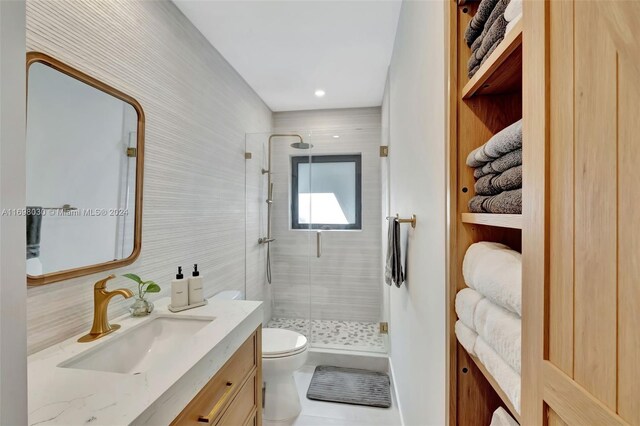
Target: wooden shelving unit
[475,118]
[513,221]
[496,387]
[502,71]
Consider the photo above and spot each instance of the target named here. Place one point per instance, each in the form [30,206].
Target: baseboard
[347,359]
[395,391]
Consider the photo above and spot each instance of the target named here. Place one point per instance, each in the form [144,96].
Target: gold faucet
[101,298]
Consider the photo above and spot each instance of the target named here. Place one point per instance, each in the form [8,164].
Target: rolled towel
[466,336]
[490,42]
[499,165]
[501,417]
[502,330]
[466,301]
[507,378]
[513,10]
[513,23]
[495,271]
[476,25]
[507,140]
[496,183]
[507,202]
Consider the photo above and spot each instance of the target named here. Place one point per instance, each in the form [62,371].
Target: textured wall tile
[198,110]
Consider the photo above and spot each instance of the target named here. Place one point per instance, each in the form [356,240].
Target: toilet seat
[280,343]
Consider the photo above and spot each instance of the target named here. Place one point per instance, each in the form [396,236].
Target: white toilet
[283,352]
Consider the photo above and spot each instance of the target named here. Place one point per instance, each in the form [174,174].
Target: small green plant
[144,287]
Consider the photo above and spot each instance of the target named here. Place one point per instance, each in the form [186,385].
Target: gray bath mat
[350,386]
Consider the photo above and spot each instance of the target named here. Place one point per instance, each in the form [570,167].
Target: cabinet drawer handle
[216,408]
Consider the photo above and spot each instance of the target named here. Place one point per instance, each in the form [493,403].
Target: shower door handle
[318,243]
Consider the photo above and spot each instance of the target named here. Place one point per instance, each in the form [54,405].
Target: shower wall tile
[344,283]
[198,110]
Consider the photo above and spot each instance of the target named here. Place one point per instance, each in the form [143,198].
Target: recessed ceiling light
[320,93]
[336,136]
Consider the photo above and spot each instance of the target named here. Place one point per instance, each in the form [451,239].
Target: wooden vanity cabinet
[233,397]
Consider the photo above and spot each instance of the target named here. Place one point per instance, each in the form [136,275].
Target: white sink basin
[137,350]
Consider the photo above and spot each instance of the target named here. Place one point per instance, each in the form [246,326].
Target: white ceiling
[287,49]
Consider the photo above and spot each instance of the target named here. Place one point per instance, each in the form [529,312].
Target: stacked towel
[485,32]
[489,312]
[502,418]
[495,271]
[513,14]
[498,170]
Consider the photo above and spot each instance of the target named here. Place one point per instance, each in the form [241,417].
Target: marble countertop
[68,396]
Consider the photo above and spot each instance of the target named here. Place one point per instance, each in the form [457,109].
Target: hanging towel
[393,269]
[477,23]
[502,418]
[499,165]
[494,184]
[495,271]
[507,202]
[466,336]
[34,225]
[466,301]
[507,140]
[507,378]
[513,10]
[500,329]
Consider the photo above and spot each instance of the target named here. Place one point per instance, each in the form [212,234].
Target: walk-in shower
[301,144]
[331,288]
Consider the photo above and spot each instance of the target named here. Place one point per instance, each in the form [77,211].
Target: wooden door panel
[628,241]
[595,298]
[591,366]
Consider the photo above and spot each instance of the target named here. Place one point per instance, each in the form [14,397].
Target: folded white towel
[500,329]
[502,418]
[514,8]
[495,271]
[513,23]
[466,301]
[508,380]
[466,336]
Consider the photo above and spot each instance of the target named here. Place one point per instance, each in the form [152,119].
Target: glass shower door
[343,185]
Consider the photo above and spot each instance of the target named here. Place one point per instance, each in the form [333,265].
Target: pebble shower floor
[352,335]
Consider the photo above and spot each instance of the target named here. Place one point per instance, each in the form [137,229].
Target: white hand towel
[514,8]
[502,330]
[466,301]
[513,23]
[466,336]
[508,380]
[495,271]
[502,418]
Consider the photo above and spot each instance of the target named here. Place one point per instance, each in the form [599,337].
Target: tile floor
[319,413]
[352,335]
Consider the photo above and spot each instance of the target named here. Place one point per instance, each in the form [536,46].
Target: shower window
[326,192]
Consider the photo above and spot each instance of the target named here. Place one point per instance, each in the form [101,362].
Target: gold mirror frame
[33,57]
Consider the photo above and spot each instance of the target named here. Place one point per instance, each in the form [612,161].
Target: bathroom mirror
[85,153]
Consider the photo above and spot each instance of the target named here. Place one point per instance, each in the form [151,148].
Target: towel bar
[412,221]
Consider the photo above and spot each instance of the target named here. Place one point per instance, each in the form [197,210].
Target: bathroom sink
[140,348]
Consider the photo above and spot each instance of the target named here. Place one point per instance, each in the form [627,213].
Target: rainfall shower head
[301,145]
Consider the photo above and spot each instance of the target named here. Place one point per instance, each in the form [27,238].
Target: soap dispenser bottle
[196,293]
[179,290]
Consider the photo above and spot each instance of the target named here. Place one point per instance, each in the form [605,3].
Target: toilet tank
[229,295]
